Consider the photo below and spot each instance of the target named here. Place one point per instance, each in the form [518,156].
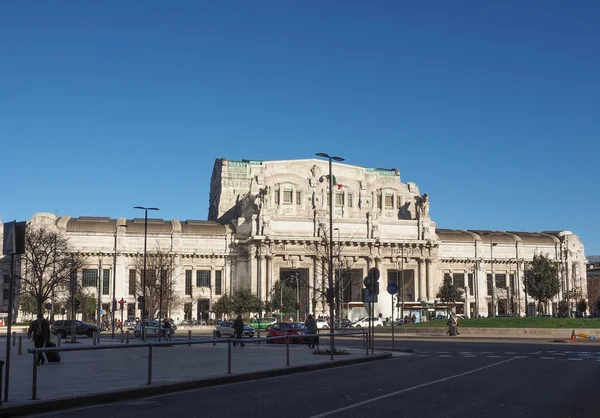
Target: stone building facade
[268,221]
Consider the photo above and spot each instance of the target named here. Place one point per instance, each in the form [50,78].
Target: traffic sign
[368,282]
[392,288]
[368,297]
[48,306]
[101,312]
[374,274]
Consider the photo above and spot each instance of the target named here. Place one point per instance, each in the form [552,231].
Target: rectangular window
[218,284]
[501,281]
[203,278]
[89,278]
[512,281]
[287,197]
[350,200]
[471,284]
[399,202]
[188,282]
[106,282]
[132,277]
[339,199]
[389,202]
[459,280]
[393,276]
[378,201]
[489,285]
[277,196]
[298,198]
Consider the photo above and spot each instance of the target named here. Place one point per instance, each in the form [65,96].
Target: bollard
[287,350]
[14,338]
[98,336]
[94,336]
[20,345]
[58,340]
[229,356]
[127,337]
[149,364]
[189,337]
[259,336]
[34,378]
[365,339]
[214,337]
[122,336]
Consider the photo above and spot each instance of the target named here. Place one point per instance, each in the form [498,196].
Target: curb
[57,404]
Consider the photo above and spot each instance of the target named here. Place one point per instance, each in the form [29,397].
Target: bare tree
[46,265]
[159,282]
[341,274]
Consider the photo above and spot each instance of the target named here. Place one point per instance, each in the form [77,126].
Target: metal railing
[229,341]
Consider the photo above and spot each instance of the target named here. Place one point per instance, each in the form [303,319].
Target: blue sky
[492,108]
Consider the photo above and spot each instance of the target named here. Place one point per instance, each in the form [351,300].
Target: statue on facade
[422,206]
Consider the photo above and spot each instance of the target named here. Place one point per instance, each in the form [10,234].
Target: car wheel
[218,334]
[136,333]
[379,325]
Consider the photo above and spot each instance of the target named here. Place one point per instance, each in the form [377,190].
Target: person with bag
[238,329]
[40,331]
[311,328]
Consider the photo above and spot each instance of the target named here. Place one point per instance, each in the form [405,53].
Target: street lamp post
[330,272]
[492,245]
[297,298]
[143,304]
[402,288]
[114,287]
[339,278]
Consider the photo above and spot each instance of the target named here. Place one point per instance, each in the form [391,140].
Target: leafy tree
[541,279]
[582,307]
[225,305]
[28,305]
[448,292]
[283,299]
[46,265]
[563,309]
[246,302]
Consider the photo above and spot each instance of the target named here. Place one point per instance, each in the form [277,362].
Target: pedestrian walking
[311,328]
[238,330]
[452,325]
[39,330]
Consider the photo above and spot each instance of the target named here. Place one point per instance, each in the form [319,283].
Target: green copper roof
[383,171]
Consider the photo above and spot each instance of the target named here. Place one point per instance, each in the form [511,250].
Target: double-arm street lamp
[330,272]
[492,245]
[143,304]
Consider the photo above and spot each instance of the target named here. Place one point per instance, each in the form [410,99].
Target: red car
[287,328]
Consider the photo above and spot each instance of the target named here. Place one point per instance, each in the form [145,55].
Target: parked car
[344,323]
[64,327]
[364,322]
[287,328]
[153,328]
[262,323]
[225,329]
[322,324]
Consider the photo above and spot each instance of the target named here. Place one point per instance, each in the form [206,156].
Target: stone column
[422,291]
[259,279]
[430,291]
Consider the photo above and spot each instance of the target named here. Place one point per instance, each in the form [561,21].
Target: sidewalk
[84,373]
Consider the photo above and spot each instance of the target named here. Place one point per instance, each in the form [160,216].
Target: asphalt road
[457,379]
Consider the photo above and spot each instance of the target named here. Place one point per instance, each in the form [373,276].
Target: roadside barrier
[581,335]
[287,339]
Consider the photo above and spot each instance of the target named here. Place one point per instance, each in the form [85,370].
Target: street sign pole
[392,296]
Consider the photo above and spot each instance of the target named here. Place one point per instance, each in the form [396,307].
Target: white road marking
[575,359]
[547,358]
[445,355]
[510,352]
[487,352]
[494,356]
[559,354]
[389,395]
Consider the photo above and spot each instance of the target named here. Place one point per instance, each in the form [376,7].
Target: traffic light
[121,304]
[298,305]
[77,304]
[63,311]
